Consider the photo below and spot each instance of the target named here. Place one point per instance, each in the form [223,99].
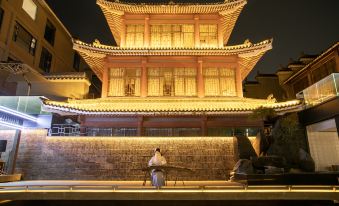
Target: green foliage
[263,113]
[288,137]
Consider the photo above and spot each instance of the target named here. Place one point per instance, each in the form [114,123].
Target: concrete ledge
[105,190]
[10,178]
[166,195]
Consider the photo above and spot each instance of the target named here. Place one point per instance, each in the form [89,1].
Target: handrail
[117,188]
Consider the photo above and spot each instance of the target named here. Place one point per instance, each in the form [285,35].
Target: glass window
[172,35]
[30,7]
[135,35]
[50,32]
[219,82]
[208,35]
[111,132]
[172,132]
[324,70]
[172,82]
[124,82]
[1,16]
[300,85]
[24,38]
[220,132]
[45,60]
[324,143]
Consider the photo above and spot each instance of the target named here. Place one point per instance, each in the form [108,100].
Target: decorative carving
[271,99]
[248,42]
[96,42]
[14,68]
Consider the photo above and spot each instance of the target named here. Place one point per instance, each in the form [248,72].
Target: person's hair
[157,149]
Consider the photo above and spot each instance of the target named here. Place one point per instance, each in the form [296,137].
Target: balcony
[322,91]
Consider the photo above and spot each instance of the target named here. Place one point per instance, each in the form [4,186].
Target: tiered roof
[228,10]
[166,106]
[249,54]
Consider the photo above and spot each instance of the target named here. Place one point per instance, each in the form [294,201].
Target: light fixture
[18,114]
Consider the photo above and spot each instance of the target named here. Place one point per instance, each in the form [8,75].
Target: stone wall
[121,158]
[9,136]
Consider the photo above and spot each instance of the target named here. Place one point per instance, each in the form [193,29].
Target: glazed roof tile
[228,10]
[249,54]
[116,106]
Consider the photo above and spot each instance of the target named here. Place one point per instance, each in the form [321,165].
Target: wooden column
[220,34]
[337,123]
[144,77]
[147,32]
[140,126]
[200,77]
[105,83]
[82,120]
[196,31]
[204,131]
[13,155]
[123,33]
[238,80]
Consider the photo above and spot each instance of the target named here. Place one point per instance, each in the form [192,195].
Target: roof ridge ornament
[271,99]
[171,2]
[248,42]
[96,42]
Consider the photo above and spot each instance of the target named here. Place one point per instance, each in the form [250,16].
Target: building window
[219,82]
[172,82]
[24,38]
[208,35]
[45,60]
[76,61]
[1,16]
[30,8]
[124,82]
[300,85]
[50,32]
[220,132]
[324,70]
[176,35]
[172,132]
[135,35]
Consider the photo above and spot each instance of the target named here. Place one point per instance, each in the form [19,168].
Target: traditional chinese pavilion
[171,73]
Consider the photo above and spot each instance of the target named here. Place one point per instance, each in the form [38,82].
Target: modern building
[308,70]
[265,85]
[321,115]
[34,42]
[321,118]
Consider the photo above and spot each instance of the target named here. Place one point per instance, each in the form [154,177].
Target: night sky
[309,26]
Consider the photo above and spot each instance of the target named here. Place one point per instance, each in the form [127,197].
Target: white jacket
[157,160]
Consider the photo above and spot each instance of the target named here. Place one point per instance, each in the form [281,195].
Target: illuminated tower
[171,72]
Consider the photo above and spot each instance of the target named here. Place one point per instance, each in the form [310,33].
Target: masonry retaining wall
[120,158]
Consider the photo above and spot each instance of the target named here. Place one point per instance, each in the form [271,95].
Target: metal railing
[117,188]
[76,130]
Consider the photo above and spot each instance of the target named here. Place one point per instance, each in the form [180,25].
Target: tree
[289,137]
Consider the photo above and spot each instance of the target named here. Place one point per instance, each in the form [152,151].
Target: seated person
[157,175]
